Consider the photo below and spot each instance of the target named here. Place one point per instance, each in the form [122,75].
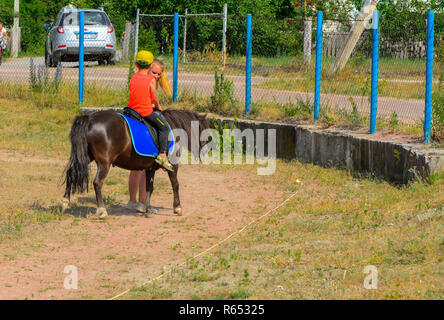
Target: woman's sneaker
[162,162]
[140,207]
[131,205]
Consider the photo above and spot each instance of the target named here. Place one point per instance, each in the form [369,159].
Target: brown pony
[104,137]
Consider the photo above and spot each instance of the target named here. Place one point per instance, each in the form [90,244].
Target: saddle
[145,137]
[133,114]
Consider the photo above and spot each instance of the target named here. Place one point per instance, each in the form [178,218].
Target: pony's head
[182,119]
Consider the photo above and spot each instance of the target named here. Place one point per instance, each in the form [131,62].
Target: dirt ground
[125,250]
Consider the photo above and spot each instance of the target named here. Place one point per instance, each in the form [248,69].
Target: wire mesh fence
[53,67]
[288,77]
[210,53]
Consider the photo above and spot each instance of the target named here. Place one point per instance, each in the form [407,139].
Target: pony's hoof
[64,204]
[101,213]
[151,210]
[148,214]
[178,210]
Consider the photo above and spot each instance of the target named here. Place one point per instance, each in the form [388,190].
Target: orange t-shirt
[140,94]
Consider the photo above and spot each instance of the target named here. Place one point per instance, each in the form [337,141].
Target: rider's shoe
[140,207]
[162,161]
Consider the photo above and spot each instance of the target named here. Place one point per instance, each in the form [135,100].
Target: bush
[440,52]
[210,53]
[148,41]
[39,79]
[438,115]
[276,37]
[303,109]
[222,100]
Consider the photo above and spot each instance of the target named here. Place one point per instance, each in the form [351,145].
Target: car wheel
[110,61]
[48,59]
[101,61]
[55,61]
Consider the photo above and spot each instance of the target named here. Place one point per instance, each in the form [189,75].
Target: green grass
[317,245]
[354,79]
[301,111]
[293,66]
[52,111]
[354,85]
[12,227]
[48,114]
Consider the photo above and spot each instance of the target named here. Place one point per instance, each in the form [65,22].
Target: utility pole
[184,50]
[224,35]
[15,33]
[355,34]
[127,40]
[307,40]
[136,37]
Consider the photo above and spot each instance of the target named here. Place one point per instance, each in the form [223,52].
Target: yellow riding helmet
[144,58]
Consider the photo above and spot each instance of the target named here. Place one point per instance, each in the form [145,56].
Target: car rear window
[91,19]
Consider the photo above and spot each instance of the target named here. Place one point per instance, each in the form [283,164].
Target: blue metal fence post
[375,57]
[81,53]
[248,67]
[318,65]
[429,78]
[175,58]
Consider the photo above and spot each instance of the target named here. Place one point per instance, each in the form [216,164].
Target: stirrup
[162,161]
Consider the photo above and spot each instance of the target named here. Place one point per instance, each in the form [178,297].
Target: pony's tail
[77,169]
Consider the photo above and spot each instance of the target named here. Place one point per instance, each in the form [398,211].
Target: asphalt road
[17,70]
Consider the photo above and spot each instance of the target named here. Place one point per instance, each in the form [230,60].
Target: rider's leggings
[157,120]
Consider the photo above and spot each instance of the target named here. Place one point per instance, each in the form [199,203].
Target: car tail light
[109,45]
[62,46]
[110,29]
[60,29]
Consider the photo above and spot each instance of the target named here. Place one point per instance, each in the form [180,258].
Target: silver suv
[62,42]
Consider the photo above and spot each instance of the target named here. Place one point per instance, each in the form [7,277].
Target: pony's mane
[181,119]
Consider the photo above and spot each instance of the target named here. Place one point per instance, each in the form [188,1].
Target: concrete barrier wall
[395,161]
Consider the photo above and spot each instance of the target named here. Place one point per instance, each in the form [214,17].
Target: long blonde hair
[163,80]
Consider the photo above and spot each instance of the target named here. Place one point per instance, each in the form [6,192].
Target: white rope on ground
[212,247]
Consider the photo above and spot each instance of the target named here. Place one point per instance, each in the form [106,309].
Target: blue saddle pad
[142,141]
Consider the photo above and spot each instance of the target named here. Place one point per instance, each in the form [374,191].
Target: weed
[354,117]
[210,53]
[239,294]
[223,263]
[255,109]
[153,291]
[39,79]
[110,200]
[222,99]
[111,182]
[223,141]
[397,156]
[406,252]
[12,227]
[246,279]
[393,122]
[303,109]
[203,276]
[438,115]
